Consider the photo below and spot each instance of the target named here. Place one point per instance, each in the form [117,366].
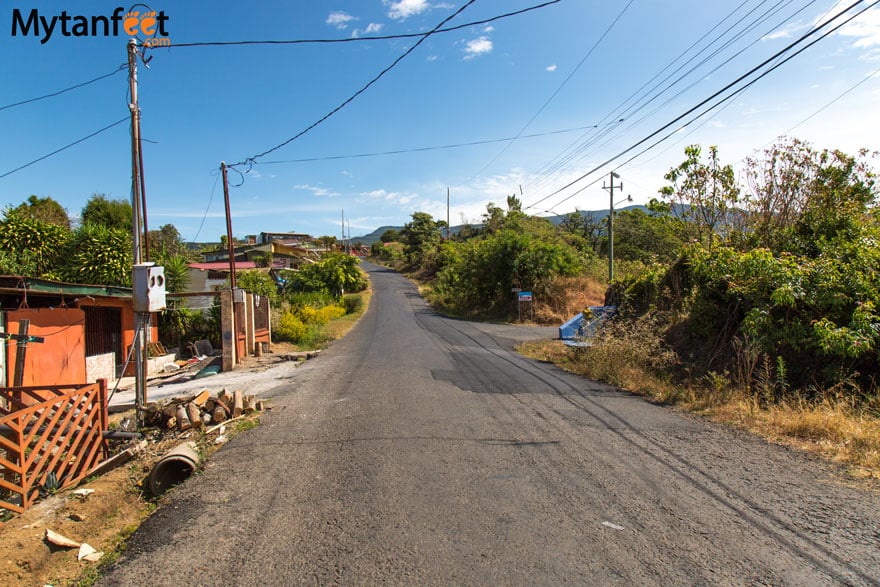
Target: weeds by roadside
[632,356]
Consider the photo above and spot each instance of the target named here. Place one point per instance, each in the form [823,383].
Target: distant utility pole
[343,230]
[611,224]
[448,226]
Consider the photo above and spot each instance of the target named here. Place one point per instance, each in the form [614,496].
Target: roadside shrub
[290,328]
[352,303]
[629,354]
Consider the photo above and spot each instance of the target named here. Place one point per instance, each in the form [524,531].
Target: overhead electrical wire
[366,38]
[574,149]
[727,87]
[76,142]
[423,149]
[68,89]
[573,154]
[253,159]
[546,103]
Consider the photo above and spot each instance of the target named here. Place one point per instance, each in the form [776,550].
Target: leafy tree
[420,237]
[326,242]
[706,192]
[649,238]
[31,247]
[101,211]
[335,274]
[479,273]
[45,210]
[165,242]
[99,255]
[586,229]
[257,282]
[389,236]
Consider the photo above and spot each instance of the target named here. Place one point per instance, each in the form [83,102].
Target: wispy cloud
[398,198]
[339,19]
[402,9]
[371,29]
[551,68]
[476,47]
[316,190]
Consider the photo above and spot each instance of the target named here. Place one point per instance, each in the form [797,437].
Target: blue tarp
[579,331]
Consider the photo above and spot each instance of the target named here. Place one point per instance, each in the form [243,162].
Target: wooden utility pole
[141,319]
[229,243]
[448,227]
[611,224]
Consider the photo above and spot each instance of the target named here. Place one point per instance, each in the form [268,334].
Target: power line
[718,93]
[578,153]
[76,142]
[366,38]
[559,89]
[59,92]
[252,160]
[423,149]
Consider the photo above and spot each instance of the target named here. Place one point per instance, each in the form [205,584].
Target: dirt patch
[103,519]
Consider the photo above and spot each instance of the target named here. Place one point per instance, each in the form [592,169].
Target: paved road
[423,450]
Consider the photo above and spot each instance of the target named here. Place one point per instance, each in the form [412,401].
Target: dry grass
[832,428]
[567,297]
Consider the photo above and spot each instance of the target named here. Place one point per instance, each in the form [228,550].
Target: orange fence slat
[56,429]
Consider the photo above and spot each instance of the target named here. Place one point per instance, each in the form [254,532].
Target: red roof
[223,265]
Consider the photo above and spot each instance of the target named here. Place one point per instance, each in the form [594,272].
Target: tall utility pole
[141,319]
[611,224]
[230,245]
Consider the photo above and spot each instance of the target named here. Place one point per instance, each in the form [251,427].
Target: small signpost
[523,297]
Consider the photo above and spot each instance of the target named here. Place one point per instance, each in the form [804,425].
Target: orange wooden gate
[48,431]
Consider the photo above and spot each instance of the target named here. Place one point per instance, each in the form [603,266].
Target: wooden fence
[49,432]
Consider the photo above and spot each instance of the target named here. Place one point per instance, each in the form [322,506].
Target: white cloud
[865,29]
[372,28]
[432,58]
[551,68]
[402,9]
[477,47]
[316,190]
[339,19]
[397,198]
[785,32]
[489,28]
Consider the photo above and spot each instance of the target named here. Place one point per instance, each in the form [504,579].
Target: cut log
[237,403]
[203,396]
[219,413]
[183,422]
[249,402]
[195,417]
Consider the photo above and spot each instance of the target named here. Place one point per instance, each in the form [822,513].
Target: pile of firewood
[202,410]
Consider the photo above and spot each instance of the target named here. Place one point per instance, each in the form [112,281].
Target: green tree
[420,237]
[108,213]
[165,242]
[31,247]
[706,192]
[389,236]
[45,210]
[98,255]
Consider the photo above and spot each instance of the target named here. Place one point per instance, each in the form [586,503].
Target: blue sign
[525,296]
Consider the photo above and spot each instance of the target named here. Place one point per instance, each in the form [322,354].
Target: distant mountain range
[369,239]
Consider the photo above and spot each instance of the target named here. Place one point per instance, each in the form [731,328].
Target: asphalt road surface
[421,450]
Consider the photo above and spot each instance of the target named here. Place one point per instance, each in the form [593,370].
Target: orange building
[87,331]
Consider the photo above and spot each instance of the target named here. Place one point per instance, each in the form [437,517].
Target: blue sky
[560,77]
